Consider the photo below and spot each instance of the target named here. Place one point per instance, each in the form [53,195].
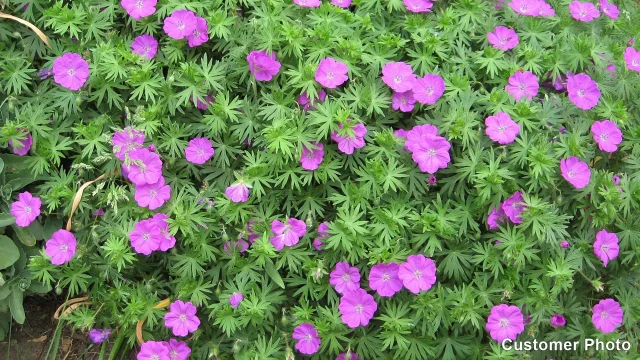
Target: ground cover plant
[366,179]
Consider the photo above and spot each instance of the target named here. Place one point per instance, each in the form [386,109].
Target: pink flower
[139,9]
[526,7]
[341,3]
[235,299]
[417,273]
[98,336]
[503,38]
[607,315]
[546,10]
[178,350]
[181,318]
[523,84]
[616,180]
[609,9]
[505,322]
[312,158]
[384,279]
[126,141]
[418,6]
[145,45]
[606,246]
[153,195]
[583,91]
[495,217]
[145,237]
[153,350]
[307,4]
[323,232]
[199,151]
[200,34]
[432,180]
[239,245]
[307,336]
[204,105]
[307,104]
[348,356]
[98,212]
[428,89]
[145,167]
[331,73]
[398,76]
[21,147]
[607,135]
[263,66]
[583,11]
[513,207]
[180,24]
[237,192]
[564,244]
[576,172]
[25,209]
[632,59]
[167,241]
[70,71]
[344,278]
[432,154]
[287,235]
[501,129]
[347,144]
[61,247]
[415,137]
[403,101]
[357,308]
[557,320]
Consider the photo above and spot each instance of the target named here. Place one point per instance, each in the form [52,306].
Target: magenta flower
[307,4]
[609,9]
[237,192]
[331,73]
[416,135]
[199,151]
[557,320]
[235,299]
[341,3]
[25,209]
[348,356]
[615,179]
[632,59]
[526,7]
[347,144]
[153,195]
[417,273]
[384,279]
[607,315]
[403,101]
[145,238]
[61,247]
[287,235]
[308,340]
[607,135]
[418,6]
[583,11]
[200,34]
[432,154]
[501,129]
[204,105]
[503,38]
[357,308]
[606,246]
[139,9]
[344,278]
[70,71]
[98,212]
[523,84]
[98,336]
[263,66]
[167,241]
[564,244]
[239,245]
[505,322]
[513,207]
[398,76]
[576,172]
[546,10]
[145,167]
[496,216]
[306,103]
[583,92]
[180,24]
[153,350]
[428,89]
[323,233]
[312,158]
[21,147]
[178,350]
[126,141]
[145,45]
[181,318]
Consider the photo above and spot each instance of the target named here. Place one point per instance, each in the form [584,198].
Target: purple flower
[344,278]
[200,34]
[98,336]
[153,350]
[564,244]
[199,151]
[523,84]
[503,38]
[583,92]
[239,245]
[513,207]
[398,76]
[615,179]
[237,192]
[428,89]
[145,45]
[418,6]
[262,65]
[526,7]
[181,318]
[287,235]
[61,247]
[505,322]
[432,180]
[323,232]
[98,212]
[609,9]
[417,273]
[495,217]
[331,73]
[501,129]
[431,153]
[307,4]
[576,172]
[341,3]
[178,350]
[126,141]
[357,308]
[312,158]
[21,147]
[632,59]
[607,315]
[235,299]
[403,101]
[308,340]
[607,135]
[153,195]
[180,24]
[145,167]
[606,246]
[384,279]
[348,356]
[347,144]
[25,209]
[145,238]
[204,105]
[307,104]
[45,73]
[557,320]
[546,10]
[583,11]
[166,240]
[70,71]
[139,9]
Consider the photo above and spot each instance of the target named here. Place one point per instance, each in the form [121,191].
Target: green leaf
[15,304]
[273,273]
[10,252]
[1,165]
[6,219]
[51,225]
[25,236]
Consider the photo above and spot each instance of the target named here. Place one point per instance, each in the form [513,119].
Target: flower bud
[78,101]
[58,290]
[171,79]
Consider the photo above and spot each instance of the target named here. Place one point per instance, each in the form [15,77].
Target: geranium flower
[428,89]
[98,336]
[307,3]
[153,350]
[523,84]
[348,356]
[347,144]
[583,92]
[609,9]
[145,167]
[564,244]
[235,299]
[178,350]
[398,76]
[312,158]
[384,279]
[204,105]
[496,216]
[263,66]
[199,151]
[432,154]
[357,308]
[70,71]
[505,322]
[239,245]
[331,73]
[200,34]
[418,6]
[61,247]
[513,207]
[153,195]
[323,232]
[576,172]
[145,237]
[341,3]
[607,315]
[180,24]
[503,38]
[308,340]
[307,104]
[98,212]
[632,59]
[417,273]
[126,141]
[526,7]
[607,135]
[181,318]
[139,9]
[501,129]
[416,135]
[21,147]
[403,101]
[546,10]
[145,45]
[167,241]
[557,320]
[25,209]
[344,278]
[606,246]
[583,11]
[237,192]
[287,235]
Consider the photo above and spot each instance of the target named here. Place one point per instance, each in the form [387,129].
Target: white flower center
[397,79]
[571,173]
[71,71]
[604,248]
[502,40]
[581,92]
[583,13]
[504,322]
[63,248]
[502,128]
[403,100]
[308,337]
[522,87]
[431,152]
[155,357]
[173,354]
[181,25]
[386,277]
[429,90]
[604,137]
[330,75]
[635,62]
[200,152]
[27,209]
[196,33]
[359,308]
[604,315]
[146,49]
[153,193]
[346,277]
[417,274]
[146,236]
[182,317]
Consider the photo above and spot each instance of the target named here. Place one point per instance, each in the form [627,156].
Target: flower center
[386,277]
[604,248]
[173,354]
[635,62]
[417,274]
[403,100]
[582,92]
[504,322]
[154,357]
[431,152]
[523,8]
[502,40]
[308,337]
[346,277]
[27,209]
[359,308]
[572,173]
[181,25]
[330,75]
[63,248]
[196,33]
[502,128]
[604,315]
[139,4]
[583,13]
[71,71]
[146,49]
[182,317]
[522,87]
[397,79]
[604,137]
[146,236]
[200,152]
[429,90]
[153,193]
